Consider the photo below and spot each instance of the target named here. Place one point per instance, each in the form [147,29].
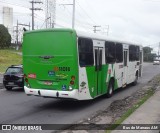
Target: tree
[148,56]
[5,37]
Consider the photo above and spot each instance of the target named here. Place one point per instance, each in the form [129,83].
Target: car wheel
[8,88]
[110,89]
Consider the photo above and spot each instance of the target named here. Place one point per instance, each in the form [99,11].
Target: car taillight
[72,80]
[32,76]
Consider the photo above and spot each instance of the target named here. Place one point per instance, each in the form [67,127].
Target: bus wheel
[110,89]
[136,79]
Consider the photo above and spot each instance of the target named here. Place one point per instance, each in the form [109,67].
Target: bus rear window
[85,47]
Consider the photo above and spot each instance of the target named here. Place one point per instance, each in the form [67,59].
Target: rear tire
[136,79]
[8,88]
[110,89]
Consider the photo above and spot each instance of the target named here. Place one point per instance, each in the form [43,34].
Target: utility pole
[107,30]
[33,9]
[17,33]
[158,50]
[25,25]
[50,13]
[95,28]
[73,13]
[17,30]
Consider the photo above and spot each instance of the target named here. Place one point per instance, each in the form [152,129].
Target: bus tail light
[73,77]
[27,83]
[72,82]
[26,80]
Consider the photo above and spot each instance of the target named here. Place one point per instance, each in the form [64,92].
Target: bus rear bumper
[52,93]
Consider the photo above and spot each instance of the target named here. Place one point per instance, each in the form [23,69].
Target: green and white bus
[65,63]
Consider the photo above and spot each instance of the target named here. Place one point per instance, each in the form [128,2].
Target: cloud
[133,20]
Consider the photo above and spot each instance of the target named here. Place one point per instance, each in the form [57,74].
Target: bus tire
[136,79]
[110,89]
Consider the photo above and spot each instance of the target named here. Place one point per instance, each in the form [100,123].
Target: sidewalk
[147,113]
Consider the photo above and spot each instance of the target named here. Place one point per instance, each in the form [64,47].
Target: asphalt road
[17,108]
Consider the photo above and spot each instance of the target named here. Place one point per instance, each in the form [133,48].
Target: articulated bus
[65,63]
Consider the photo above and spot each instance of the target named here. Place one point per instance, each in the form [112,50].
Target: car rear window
[14,70]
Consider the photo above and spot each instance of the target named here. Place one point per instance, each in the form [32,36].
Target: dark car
[13,77]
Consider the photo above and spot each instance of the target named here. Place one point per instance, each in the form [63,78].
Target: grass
[7,58]
[130,111]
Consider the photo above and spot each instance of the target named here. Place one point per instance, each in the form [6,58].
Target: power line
[73,13]
[86,14]
[14,4]
[34,9]
[92,9]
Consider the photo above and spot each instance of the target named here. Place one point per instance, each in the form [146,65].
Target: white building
[8,19]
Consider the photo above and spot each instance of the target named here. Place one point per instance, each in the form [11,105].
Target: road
[17,108]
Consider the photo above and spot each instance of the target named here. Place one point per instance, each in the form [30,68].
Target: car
[156,62]
[13,77]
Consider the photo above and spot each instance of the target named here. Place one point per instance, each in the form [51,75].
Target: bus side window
[85,47]
[134,52]
[119,52]
[110,52]
[137,53]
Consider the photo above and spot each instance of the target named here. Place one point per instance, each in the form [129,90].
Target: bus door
[98,69]
[99,57]
[125,67]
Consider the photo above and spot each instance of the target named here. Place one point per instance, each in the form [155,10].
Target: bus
[65,63]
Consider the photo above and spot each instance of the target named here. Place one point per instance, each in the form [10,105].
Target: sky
[128,20]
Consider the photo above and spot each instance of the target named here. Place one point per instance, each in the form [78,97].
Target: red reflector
[73,77]
[32,76]
[72,82]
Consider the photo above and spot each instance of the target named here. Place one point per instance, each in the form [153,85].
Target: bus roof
[83,34]
[46,30]
[102,37]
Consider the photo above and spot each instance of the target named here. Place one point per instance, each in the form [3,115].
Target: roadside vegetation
[148,55]
[7,58]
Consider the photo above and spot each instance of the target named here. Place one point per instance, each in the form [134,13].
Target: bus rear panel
[50,63]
